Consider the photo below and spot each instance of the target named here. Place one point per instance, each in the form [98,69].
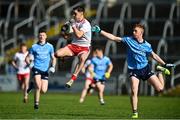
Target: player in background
[80,43]
[138,51]
[100,68]
[23,71]
[89,82]
[44,62]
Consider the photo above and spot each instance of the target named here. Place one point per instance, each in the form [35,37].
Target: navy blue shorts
[44,75]
[100,80]
[143,74]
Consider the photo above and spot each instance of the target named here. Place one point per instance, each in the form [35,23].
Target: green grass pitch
[67,106]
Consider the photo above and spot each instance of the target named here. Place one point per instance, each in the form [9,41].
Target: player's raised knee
[43,91]
[160,90]
[82,59]
[56,54]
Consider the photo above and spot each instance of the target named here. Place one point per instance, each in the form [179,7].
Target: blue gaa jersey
[100,66]
[42,55]
[137,52]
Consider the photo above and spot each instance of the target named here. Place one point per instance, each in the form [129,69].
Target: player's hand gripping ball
[66,31]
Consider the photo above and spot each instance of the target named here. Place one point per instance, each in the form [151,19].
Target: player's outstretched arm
[157,58]
[110,36]
[160,61]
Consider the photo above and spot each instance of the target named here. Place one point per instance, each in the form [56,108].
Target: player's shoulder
[34,45]
[17,54]
[146,42]
[94,59]
[86,22]
[128,37]
[106,58]
[49,44]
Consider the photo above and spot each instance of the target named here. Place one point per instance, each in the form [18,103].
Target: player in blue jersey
[138,51]
[89,83]
[41,55]
[100,68]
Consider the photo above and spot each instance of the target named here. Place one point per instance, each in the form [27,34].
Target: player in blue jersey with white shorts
[100,68]
[41,55]
[138,51]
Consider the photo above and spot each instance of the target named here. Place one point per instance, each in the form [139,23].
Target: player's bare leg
[63,52]
[21,84]
[100,88]
[161,78]
[92,87]
[37,91]
[134,95]
[157,82]
[26,86]
[84,92]
[44,86]
[79,66]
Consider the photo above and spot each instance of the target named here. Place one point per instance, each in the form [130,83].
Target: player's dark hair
[139,25]
[98,48]
[42,31]
[79,9]
[22,45]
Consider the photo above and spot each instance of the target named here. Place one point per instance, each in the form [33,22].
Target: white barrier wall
[8,83]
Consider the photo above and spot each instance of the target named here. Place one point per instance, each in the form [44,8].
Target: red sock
[73,77]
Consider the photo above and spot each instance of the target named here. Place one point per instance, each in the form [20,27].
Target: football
[66,31]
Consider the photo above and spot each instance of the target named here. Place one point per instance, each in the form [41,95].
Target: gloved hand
[96,29]
[107,75]
[51,70]
[72,22]
[168,65]
[64,29]
[30,65]
[163,69]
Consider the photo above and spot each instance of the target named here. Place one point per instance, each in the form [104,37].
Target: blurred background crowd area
[20,21]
